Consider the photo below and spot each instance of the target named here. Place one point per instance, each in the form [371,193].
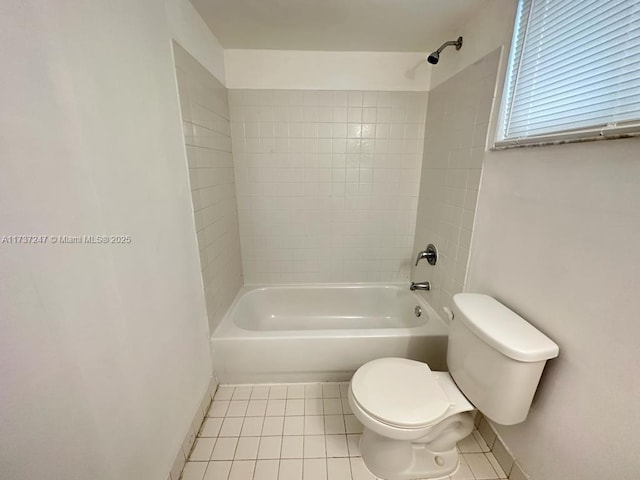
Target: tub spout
[420,286]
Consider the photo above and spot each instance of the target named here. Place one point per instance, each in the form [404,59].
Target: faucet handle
[430,253]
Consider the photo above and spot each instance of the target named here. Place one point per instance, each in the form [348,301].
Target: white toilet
[414,417]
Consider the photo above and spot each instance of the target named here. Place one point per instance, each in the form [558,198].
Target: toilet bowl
[414,417]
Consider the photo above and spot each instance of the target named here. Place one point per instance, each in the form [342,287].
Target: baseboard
[502,454]
[194,428]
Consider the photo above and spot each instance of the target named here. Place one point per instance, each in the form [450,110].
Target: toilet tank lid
[503,329]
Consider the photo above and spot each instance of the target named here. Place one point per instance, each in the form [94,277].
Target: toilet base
[432,456]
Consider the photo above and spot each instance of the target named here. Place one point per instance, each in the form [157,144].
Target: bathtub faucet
[420,286]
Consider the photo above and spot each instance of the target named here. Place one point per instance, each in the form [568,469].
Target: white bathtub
[322,332]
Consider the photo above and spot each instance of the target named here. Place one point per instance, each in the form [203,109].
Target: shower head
[434,57]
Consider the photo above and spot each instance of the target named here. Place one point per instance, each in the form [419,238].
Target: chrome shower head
[434,57]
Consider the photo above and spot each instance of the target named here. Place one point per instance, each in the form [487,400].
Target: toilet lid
[399,392]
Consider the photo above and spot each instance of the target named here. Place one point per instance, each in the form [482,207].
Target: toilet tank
[496,357]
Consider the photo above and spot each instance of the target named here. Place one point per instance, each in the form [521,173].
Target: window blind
[574,71]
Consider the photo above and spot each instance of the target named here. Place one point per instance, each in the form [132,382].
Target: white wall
[104,353]
[489,28]
[306,70]
[190,31]
[556,238]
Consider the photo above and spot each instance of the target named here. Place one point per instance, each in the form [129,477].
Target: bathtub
[313,333]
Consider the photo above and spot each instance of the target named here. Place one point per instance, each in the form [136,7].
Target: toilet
[413,417]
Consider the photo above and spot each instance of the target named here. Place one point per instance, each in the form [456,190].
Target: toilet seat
[399,392]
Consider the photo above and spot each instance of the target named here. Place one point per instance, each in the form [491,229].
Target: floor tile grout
[293,403]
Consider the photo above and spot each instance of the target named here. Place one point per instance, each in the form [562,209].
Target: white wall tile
[323,208]
[208,132]
[456,127]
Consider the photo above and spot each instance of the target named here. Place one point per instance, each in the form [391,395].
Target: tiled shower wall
[205,116]
[456,129]
[327,183]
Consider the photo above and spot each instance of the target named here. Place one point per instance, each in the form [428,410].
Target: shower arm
[457,43]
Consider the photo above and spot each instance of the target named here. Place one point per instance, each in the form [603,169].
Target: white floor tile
[334,424]
[266,470]
[483,445]
[331,390]
[338,469]
[247,448]
[313,425]
[218,470]
[292,447]
[337,446]
[359,470]
[242,393]
[496,465]
[252,427]
[297,432]
[463,472]
[344,389]
[194,470]
[270,448]
[313,406]
[242,470]
[314,469]
[480,466]
[315,446]
[202,450]
[273,426]
[256,408]
[223,392]
[218,408]
[211,427]
[313,390]
[294,406]
[224,448]
[332,406]
[290,470]
[469,445]
[352,424]
[295,391]
[237,408]
[260,392]
[278,392]
[353,443]
[293,426]
[231,427]
[275,408]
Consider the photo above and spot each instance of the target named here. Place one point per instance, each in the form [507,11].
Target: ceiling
[336,25]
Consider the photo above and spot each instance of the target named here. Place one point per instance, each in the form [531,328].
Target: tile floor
[297,432]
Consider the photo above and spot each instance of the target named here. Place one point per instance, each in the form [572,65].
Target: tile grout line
[339,457]
[496,438]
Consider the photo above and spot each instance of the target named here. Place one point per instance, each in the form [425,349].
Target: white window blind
[574,72]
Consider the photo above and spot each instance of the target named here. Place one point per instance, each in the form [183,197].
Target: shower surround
[205,119]
[327,183]
[456,131]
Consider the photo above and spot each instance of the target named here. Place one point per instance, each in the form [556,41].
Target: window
[573,74]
